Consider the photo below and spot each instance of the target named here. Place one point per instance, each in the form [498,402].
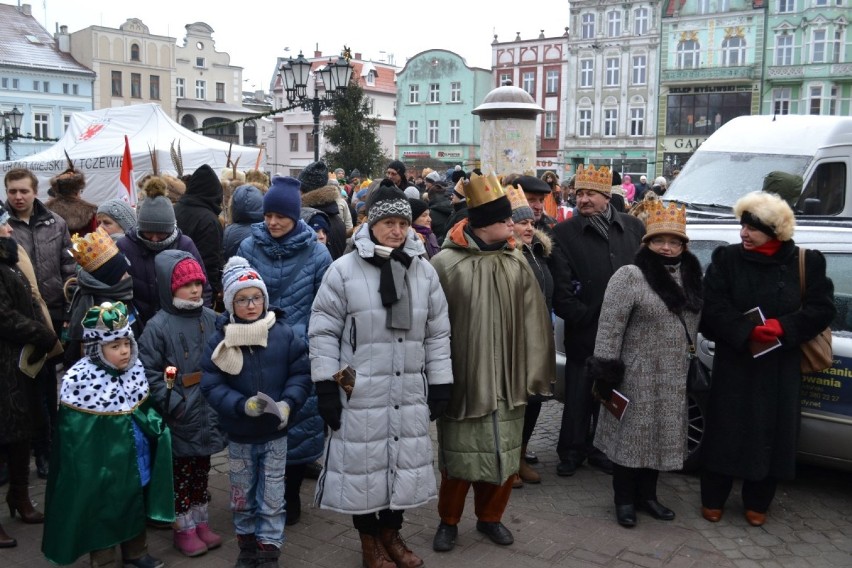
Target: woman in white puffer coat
[381,312]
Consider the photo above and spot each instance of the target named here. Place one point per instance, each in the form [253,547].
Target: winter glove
[438,400]
[254,406]
[284,408]
[767,332]
[329,404]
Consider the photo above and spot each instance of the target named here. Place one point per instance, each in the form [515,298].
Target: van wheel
[694,431]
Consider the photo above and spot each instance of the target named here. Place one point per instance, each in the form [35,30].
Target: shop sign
[446,154]
[416,154]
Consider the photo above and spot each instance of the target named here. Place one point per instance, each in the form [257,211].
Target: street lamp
[334,77]
[11,125]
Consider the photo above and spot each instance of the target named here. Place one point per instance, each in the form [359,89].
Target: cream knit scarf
[228,356]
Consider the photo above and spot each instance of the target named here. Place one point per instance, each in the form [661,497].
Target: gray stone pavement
[564,521]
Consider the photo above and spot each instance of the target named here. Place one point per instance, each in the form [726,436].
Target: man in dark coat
[582,246]
[536,190]
[197,216]
[317,193]
[440,209]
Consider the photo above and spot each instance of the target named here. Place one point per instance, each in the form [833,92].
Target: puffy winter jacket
[280,370]
[177,338]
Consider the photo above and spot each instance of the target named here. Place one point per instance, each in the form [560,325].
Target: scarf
[91,290]
[393,284]
[159,246]
[657,270]
[228,355]
[768,248]
[430,241]
[602,221]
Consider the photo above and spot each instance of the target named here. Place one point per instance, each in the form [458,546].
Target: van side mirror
[812,206]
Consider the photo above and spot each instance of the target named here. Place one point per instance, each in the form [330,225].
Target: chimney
[357,57]
[27,9]
[63,40]
[317,54]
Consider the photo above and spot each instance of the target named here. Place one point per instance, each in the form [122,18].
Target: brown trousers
[489,499]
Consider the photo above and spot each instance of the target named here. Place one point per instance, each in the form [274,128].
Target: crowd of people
[325,319]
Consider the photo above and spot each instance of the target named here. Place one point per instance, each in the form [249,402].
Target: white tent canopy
[95,142]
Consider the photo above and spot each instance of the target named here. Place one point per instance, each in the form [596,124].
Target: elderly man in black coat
[588,249]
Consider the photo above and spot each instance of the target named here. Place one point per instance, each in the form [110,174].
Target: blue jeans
[257,489]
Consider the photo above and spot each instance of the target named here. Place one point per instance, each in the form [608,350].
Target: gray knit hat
[314,176]
[121,212]
[156,215]
[236,275]
[387,201]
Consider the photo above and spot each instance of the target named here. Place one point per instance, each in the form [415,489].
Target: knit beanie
[238,274]
[112,271]
[398,167]
[387,201]
[187,270]
[121,212]
[418,206]
[283,197]
[434,177]
[314,176]
[156,214]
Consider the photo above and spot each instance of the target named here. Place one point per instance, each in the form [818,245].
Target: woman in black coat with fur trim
[754,405]
[642,350]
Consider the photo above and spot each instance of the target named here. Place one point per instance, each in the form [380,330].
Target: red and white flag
[127,188]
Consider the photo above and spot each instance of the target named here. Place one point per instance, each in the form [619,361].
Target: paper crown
[93,250]
[597,180]
[480,190]
[520,206]
[663,220]
[108,316]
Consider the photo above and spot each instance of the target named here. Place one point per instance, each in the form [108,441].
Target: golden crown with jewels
[665,220]
[93,250]
[594,179]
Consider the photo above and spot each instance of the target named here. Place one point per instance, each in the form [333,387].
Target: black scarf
[399,312]
[656,271]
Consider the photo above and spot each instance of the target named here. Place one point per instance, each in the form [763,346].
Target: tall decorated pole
[507,139]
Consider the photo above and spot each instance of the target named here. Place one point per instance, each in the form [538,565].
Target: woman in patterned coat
[642,348]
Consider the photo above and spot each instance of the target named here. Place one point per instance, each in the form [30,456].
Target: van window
[839,269]
[828,185]
[703,250]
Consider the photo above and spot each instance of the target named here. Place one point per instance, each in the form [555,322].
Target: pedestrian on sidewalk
[176,337]
[112,456]
[255,374]
[658,298]
[381,315]
[502,352]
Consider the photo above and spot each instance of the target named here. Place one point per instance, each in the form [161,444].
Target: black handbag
[697,377]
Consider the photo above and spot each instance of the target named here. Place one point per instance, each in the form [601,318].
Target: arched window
[134,52]
[249,133]
[687,54]
[733,52]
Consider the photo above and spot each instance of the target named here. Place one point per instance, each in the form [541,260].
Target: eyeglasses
[671,243]
[245,302]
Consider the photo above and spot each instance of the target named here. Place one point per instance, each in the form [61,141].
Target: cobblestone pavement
[564,521]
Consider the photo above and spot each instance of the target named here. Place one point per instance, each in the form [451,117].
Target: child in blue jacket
[255,374]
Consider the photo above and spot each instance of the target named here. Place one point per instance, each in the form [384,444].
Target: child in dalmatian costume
[112,452]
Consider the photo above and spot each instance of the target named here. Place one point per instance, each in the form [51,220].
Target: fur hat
[156,214]
[387,201]
[283,198]
[314,176]
[119,211]
[766,212]
[259,178]
[236,275]
[187,270]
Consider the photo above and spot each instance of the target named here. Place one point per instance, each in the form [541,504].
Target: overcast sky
[255,33]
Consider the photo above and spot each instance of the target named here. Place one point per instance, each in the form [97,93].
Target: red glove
[767,332]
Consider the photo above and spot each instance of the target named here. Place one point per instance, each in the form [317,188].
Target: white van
[735,159]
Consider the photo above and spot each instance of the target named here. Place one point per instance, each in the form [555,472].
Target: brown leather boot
[527,473]
[18,497]
[397,550]
[373,554]
[6,541]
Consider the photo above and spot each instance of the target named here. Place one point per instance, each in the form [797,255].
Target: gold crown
[663,220]
[93,250]
[480,190]
[516,197]
[597,180]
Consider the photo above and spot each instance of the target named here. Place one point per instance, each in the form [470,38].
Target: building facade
[613,58]
[38,79]
[291,145]
[710,72]
[808,63]
[540,67]
[132,65]
[208,89]
[436,92]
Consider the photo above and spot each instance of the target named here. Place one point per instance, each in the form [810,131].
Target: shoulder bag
[697,377]
[816,353]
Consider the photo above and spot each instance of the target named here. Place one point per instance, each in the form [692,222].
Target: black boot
[248,551]
[267,555]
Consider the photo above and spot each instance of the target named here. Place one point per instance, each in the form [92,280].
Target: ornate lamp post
[11,125]
[334,77]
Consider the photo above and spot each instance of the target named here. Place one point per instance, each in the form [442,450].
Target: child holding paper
[252,353]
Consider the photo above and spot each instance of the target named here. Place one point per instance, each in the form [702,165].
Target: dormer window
[371,78]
